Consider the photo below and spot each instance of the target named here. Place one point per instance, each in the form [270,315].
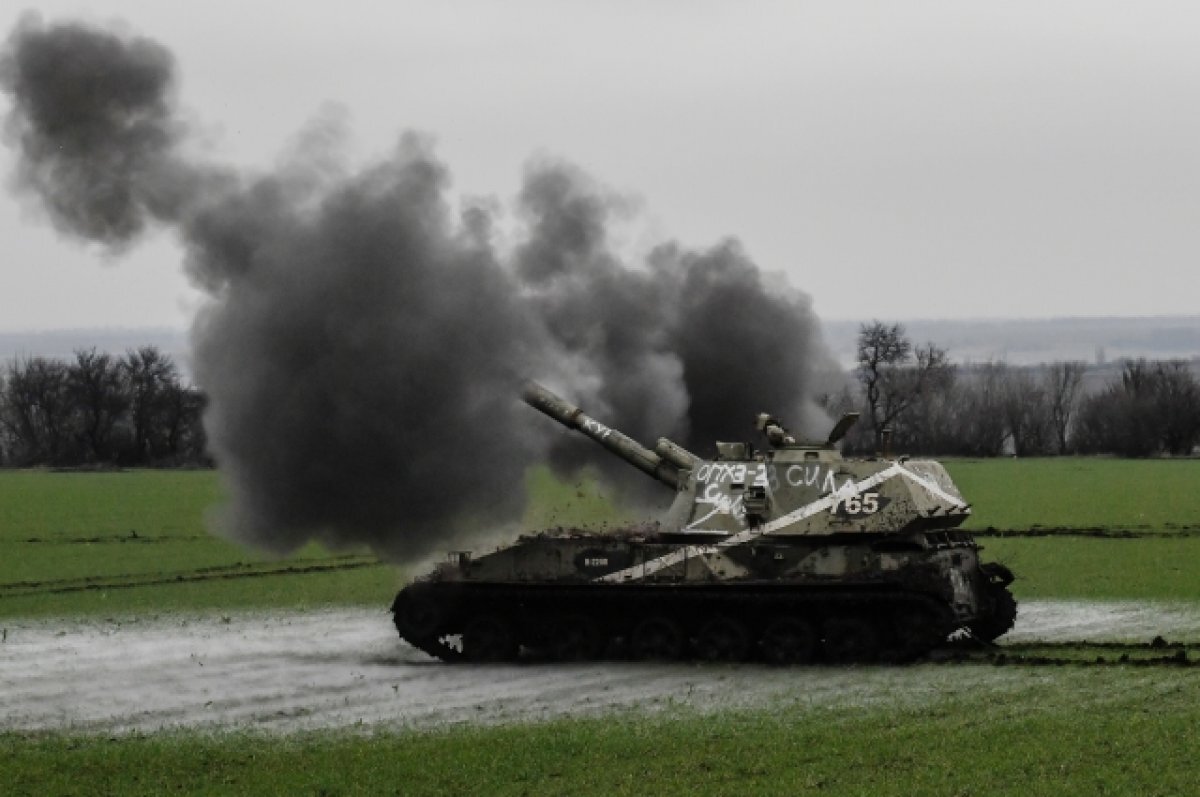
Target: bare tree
[99,408]
[1177,404]
[1062,382]
[97,389]
[1116,421]
[894,374]
[36,411]
[1027,412]
[1154,408]
[982,420]
[182,432]
[150,375]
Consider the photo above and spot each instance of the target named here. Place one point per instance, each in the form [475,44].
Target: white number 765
[865,504]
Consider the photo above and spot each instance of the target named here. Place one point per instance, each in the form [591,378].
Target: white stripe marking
[804,512]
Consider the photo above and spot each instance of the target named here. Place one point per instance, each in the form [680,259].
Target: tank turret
[787,554]
[792,488]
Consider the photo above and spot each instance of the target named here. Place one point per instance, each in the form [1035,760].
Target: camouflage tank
[791,554]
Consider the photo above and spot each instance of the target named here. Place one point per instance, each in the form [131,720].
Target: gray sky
[896,160]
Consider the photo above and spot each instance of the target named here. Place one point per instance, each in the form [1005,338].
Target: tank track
[436,647]
[463,622]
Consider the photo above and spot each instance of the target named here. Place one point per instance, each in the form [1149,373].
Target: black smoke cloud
[364,341]
[361,360]
[689,346]
[93,118]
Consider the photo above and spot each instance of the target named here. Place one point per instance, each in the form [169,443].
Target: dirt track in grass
[346,668]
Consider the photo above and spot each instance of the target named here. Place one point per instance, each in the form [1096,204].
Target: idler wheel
[1000,619]
[658,638]
[722,639]
[417,616]
[850,639]
[488,638]
[576,638]
[788,640]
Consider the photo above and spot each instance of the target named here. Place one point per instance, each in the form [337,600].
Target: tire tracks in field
[1156,653]
[237,570]
[131,537]
[1096,532]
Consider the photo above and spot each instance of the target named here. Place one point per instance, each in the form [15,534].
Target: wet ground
[346,668]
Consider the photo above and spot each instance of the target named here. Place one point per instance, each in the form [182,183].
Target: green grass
[136,542]
[1066,731]
[1051,731]
[49,505]
[1080,492]
[97,543]
[1100,569]
[1159,496]
[374,585]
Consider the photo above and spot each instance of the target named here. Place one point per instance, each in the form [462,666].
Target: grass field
[1080,493]
[1028,732]
[135,542]
[1157,496]
[1100,569]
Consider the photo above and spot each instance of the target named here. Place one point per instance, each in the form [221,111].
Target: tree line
[913,399]
[98,409]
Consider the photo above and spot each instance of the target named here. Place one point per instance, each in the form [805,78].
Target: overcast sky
[896,160]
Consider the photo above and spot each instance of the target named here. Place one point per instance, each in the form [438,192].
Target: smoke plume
[364,340]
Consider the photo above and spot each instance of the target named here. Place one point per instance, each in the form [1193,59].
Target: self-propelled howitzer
[789,554]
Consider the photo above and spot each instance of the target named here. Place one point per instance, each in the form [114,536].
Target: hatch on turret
[779,437]
[734,452]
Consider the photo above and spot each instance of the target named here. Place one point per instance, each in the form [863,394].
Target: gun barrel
[620,444]
[676,454]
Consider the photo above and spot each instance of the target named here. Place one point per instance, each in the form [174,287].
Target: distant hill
[1015,341]
[1096,341]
